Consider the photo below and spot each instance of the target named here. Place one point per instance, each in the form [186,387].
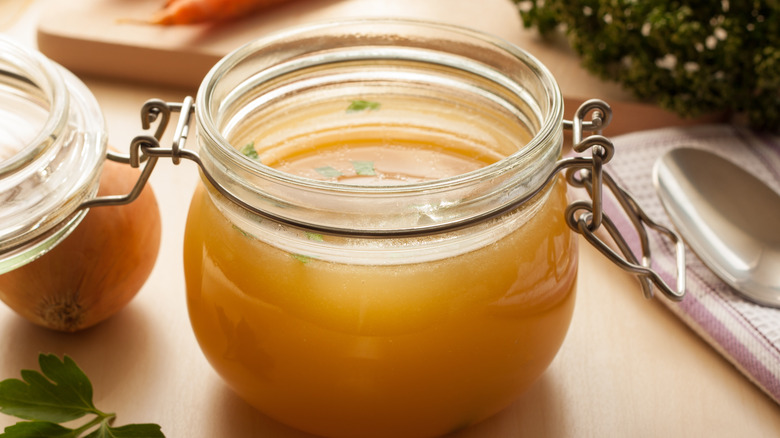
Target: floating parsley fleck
[249,151]
[328,172]
[364,168]
[314,236]
[61,393]
[363,105]
[301,258]
[244,233]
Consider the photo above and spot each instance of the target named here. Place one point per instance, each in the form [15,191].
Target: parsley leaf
[314,236]
[363,105]
[249,151]
[328,172]
[38,429]
[128,431]
[301,258]
[244,233]
[365,168]
[59,393]
[62,393]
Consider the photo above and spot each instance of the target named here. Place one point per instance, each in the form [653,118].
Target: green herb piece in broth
[60,393]
[328,172]
[314,236]
[364,168]
[301,258]
[244,233]
[250,151]
[363,105]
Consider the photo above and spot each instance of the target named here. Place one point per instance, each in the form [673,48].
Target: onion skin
[95,271]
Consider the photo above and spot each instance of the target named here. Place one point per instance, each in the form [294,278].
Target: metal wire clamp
[585,217]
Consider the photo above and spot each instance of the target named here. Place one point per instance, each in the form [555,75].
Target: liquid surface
[377,162]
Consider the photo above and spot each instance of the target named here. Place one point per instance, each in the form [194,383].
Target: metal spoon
[728,217]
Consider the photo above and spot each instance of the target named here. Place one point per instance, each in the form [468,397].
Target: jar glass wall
[377,300]
[52,147]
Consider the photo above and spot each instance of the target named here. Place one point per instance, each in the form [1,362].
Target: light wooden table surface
[628,367]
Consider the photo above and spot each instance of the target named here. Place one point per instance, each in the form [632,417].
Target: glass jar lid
[52,146]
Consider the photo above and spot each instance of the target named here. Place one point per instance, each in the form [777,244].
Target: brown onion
[98,268]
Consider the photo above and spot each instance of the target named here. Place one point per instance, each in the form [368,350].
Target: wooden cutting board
[108,38]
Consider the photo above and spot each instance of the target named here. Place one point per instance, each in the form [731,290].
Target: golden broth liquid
[407,349]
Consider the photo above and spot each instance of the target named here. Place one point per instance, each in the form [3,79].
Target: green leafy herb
[249,151]
[38,429]
[314,236]
[363,105]
[365,168]
[693,58]
[328,172]
[60,393]
[244,233]
[301,258]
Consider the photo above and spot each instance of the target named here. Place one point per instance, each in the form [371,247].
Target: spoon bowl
[727,216]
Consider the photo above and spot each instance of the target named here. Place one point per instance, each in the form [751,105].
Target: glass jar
[384,290]
[52,148]
[64,265]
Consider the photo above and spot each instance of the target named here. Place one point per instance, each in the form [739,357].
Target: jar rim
[551,125]
[55,162]
[47,79]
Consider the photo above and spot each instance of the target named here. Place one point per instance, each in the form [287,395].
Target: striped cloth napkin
[746,334]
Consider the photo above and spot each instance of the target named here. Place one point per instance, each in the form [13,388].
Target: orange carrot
[201,11]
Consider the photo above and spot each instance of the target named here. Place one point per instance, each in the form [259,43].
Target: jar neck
[440,83]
